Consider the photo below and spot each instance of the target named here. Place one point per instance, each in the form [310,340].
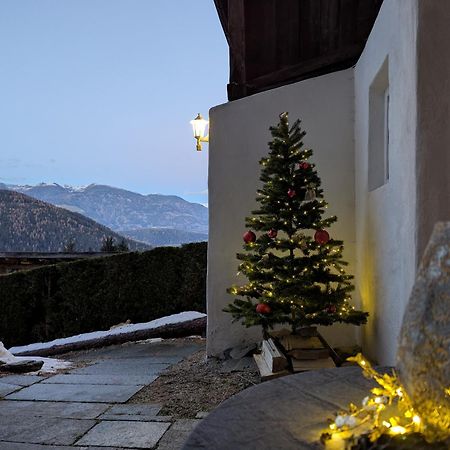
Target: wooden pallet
[265,371]
[271,362]
[303,365]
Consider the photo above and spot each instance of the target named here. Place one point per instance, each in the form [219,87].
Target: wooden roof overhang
[277,42]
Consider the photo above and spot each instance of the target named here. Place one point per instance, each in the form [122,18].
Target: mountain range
[30,225]
[164,236]
[154,219]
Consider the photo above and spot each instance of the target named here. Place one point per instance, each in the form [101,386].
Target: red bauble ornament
[249,236]
[321,237]
[272,233]
[263,308]
[291,193]
[304,166]
[331,309]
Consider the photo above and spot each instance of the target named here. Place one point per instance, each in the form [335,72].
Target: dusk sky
[102,91]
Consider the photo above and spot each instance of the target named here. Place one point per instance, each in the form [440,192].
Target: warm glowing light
[389,392]
[199,125]
[397,430]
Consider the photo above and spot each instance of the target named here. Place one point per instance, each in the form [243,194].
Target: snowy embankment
[50,365]
[182,324]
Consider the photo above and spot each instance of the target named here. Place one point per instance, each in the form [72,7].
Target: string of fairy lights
[386,410]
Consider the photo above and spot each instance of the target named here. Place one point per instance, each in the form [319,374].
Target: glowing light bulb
[398,429]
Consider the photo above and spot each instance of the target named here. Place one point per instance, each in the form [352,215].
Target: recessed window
[379,128]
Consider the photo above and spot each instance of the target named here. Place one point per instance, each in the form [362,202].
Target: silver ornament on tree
[310,195]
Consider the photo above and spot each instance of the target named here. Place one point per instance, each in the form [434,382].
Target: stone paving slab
[177,434]
[43,430]
[135,367]
[125,380]
[6,389]
[21,380]
[147,409]
[115,417]
[52,409]
[22,446]
[94,393]
[135,413]
[125,434]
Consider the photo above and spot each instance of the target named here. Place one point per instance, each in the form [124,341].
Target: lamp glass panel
[199,127]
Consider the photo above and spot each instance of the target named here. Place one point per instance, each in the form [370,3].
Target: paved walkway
[86,408]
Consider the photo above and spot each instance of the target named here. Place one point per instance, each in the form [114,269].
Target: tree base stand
[286,352]
[270,361]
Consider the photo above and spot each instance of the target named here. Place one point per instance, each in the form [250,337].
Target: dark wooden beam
[236,30]
[276,42]
[222,11]
[308,24]
[287,35]
[329,25]
[345,56]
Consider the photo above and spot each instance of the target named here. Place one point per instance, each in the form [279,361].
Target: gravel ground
[195,385]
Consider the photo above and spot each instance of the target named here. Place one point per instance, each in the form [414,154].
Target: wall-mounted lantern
[199,125]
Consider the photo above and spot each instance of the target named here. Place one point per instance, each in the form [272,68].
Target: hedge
[77,297]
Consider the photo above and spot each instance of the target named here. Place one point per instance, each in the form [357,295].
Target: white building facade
[381,138]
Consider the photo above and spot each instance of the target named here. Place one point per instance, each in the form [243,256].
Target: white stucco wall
[238,139]
[385,217]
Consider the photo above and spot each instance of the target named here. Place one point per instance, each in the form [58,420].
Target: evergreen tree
[295,271]
[108,245]
[69,247]
[122,246]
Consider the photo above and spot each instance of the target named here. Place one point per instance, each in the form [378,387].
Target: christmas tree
[295,271]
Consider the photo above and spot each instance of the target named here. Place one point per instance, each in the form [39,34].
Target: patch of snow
[5,355]
[51,365]
[168,320]
[77,188]
[21,187]
[149,341]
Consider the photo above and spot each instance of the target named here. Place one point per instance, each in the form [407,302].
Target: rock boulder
[423,358]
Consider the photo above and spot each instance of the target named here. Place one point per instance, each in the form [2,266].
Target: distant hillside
[30,225]
[119,209]
[157,237]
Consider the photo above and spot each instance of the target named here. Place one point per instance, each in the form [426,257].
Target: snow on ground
[51,365]
[5,355]
[174,318]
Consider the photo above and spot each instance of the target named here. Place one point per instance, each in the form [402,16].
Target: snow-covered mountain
[30,225]
[120,209]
